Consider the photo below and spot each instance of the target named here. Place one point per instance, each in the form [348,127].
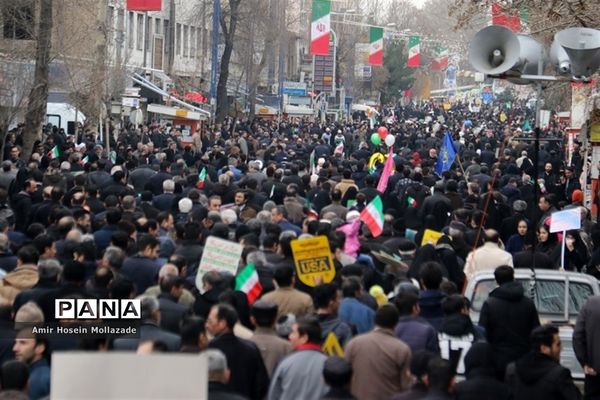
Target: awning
[298,110]
[137,78]
[176,112]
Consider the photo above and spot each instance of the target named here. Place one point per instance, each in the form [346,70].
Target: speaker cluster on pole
[500,53]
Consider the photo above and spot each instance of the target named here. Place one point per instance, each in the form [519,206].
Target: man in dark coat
[508,318]
[481,382]
[538,375]
[248,373]
[171,311]
[142,269]
[149,329]
[586,337]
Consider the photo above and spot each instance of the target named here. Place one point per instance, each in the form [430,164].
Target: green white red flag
[54,153]
[414,52]
[201,178]
[372,215]
[440,62]
[320,27]
[247,281]
[376,46]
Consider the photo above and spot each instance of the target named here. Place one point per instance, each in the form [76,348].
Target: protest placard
[218,255]
[312,258]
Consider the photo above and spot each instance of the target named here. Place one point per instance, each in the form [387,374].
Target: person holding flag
[446,156]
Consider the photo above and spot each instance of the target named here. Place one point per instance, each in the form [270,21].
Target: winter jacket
[481,383]
[418,334]
[352,244]
[538,376]
[430,302]
[331,323]
[586,334]
[508,318]
[13,283]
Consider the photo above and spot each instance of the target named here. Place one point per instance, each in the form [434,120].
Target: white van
[62,115]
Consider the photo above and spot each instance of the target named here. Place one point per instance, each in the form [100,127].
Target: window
[149,27]
[192,42]
[120,21]
[159,27]
[167,33]
[131,30]
[140,32]
[186,40]
[199,42]
[18,22]
[178,39]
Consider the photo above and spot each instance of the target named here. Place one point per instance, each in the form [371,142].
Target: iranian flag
[376,46]
[201,178]
[247,281]
[54,153]
[372,215]
[440,62]
[84,161]
[320,27]
[414,52]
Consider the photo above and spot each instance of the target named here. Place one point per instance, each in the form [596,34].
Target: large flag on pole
[372,215]
[376,46]
[144,5]
[446,156]
[320,27]
[414,52]
[387,172]
[440,62]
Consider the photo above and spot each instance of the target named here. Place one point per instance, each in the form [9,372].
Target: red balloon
[383,132]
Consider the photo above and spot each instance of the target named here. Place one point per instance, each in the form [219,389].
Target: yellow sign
[181,113]
[595,133]
[263,110]
[431,237]
[502,117]
[447,106]
[313,260]
[331,346]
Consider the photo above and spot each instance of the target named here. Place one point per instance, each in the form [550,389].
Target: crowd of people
[79,219]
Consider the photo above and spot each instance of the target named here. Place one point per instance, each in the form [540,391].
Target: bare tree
[229,21]
[38,97]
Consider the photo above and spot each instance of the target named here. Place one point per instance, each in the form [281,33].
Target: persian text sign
[218,255]
[313,260]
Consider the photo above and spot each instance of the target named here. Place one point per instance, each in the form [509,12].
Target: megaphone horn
[494,50]
[497,50]
[559,58]
[582,45]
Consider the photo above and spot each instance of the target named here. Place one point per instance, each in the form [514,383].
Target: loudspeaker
[559,58]
[582,45]
[497,50]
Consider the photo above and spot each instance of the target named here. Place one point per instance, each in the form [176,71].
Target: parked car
[558,297]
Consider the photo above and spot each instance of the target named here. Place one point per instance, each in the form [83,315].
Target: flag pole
[461,168]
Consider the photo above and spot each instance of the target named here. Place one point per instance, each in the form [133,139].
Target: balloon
[390,140]
[382,131]
[375,139]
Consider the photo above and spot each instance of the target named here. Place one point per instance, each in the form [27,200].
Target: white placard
[218,255]
[91,375]
[566,220]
